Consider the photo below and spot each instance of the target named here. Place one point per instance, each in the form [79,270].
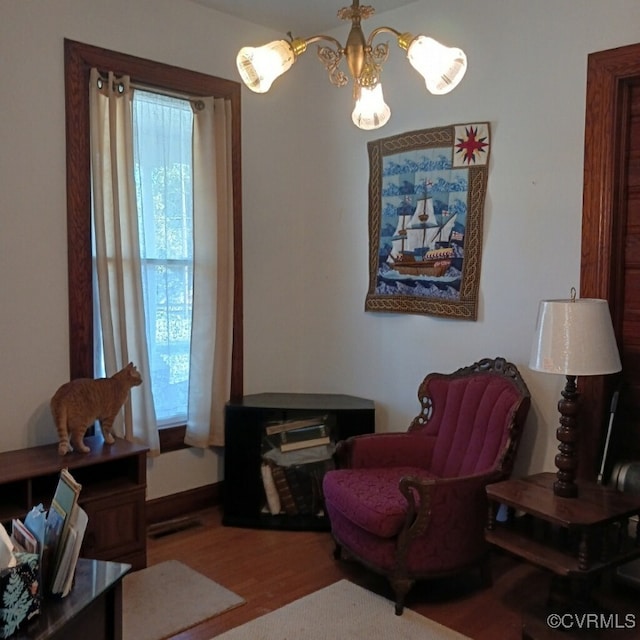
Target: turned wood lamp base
[567,458]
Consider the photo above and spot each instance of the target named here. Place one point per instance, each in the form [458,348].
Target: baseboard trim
[177,505]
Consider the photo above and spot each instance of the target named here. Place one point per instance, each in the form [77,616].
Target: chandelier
[441,67]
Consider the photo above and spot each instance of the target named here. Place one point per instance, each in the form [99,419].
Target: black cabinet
[244,498]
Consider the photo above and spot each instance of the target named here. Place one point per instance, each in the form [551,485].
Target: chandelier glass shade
[370,110]
[441,67]
[260,66]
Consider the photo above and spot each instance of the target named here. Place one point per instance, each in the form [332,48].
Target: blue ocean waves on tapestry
[446,287]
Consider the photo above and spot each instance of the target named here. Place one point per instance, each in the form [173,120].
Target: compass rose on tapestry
[471,146]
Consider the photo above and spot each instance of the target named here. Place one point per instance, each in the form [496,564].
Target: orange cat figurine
[76,406]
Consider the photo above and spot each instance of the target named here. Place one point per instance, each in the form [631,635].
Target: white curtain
[212,324]
[115,225]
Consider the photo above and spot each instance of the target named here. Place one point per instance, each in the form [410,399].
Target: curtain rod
[165,92]
[171,93]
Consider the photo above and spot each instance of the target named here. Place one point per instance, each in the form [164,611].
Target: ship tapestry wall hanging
[426,202]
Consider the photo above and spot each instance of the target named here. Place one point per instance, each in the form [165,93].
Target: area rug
[167,598]
[342,610]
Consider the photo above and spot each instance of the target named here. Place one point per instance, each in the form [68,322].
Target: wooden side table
[575,538]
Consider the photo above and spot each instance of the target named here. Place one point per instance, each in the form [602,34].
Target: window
[162,128]
[79,59]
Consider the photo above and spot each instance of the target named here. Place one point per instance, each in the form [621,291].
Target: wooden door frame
[609,76]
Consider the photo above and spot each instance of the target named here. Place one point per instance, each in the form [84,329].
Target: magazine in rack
[63,534]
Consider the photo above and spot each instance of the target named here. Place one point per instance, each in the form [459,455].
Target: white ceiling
[302,17]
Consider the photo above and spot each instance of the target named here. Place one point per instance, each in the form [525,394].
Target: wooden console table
[113,479]
[93,608]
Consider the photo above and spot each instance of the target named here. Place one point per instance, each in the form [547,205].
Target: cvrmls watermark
[594,621]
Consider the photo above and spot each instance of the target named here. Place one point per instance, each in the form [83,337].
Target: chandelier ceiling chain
[442,67]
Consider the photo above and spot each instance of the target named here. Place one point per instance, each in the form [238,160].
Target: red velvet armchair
[413,505]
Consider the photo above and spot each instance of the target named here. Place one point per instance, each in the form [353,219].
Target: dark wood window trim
[78,60]
[172,438]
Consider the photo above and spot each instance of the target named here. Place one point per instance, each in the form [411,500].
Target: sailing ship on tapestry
[430,244]
[424,215]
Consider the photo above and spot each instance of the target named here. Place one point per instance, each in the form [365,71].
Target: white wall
[305,173]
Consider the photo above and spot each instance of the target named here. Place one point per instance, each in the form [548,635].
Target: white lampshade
[442,67]
[575,338]
[370,110]
[260,66]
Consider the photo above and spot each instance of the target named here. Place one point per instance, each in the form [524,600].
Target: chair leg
[337,551]
[401,587]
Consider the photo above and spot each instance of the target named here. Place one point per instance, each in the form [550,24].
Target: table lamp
[573,337]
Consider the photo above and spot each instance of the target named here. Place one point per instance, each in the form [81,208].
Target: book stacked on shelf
[304,438]
[295,489]
[300,434]
[296,455]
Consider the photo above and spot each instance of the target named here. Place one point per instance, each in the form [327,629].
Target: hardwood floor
[272,568]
